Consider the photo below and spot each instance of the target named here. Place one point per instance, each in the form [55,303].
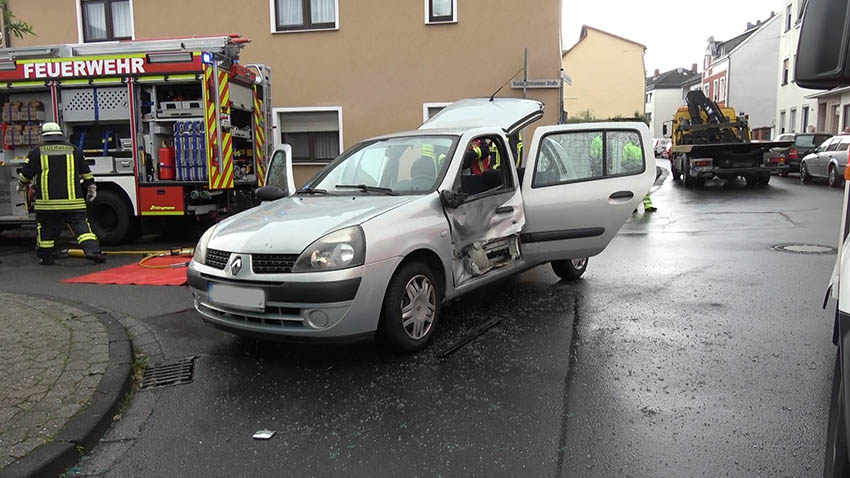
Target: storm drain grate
[804,248]
[170,373]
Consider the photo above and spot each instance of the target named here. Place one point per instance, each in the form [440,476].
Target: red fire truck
[172,129]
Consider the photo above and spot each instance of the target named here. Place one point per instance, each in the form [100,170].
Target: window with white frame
[314,134]
[788,18]
[792,120]
[723,89]
[440,11]
[105,20]
[782,121]
[715,89]
[300,15]
[430,109]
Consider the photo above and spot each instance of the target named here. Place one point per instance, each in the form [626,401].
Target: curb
[83,430]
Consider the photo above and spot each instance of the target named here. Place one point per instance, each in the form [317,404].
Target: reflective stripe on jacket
[62,176]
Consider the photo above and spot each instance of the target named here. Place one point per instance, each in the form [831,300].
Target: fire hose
[148,255]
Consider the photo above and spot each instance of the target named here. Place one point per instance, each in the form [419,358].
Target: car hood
[289,225]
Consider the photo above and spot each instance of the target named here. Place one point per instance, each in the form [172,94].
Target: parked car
[827,161]
[804,143]
[659,146]
[399,224]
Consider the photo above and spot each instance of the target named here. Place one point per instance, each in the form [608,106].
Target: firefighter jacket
[57,168]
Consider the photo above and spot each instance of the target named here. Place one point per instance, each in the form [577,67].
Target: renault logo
[236,265]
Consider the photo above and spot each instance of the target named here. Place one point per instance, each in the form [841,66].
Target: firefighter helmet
[51,129]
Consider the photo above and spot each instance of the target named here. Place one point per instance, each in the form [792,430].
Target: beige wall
[608,77]
[382,64]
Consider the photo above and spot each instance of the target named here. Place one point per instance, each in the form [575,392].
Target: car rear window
[810,140]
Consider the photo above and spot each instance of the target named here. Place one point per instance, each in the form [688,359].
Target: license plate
[238,297]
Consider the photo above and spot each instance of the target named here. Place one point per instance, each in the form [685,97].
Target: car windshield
[810,140]
[404,165]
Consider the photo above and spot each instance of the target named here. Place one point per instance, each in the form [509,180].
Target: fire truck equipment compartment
[95,104]
[161,201]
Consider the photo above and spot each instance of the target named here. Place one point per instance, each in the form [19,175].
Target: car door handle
[504,210]
[622,195]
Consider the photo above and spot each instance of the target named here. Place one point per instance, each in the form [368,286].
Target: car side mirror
[451,200]
[666,129]
[270,193]
[824,41]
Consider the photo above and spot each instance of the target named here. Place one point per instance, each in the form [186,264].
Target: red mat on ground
[134,274]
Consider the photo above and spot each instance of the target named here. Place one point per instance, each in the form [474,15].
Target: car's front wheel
[836,461]
[411,307]
[570,269]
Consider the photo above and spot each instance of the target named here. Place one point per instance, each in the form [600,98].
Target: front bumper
[336,306]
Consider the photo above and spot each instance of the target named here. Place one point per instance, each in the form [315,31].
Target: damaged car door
[484,209]
[581,184]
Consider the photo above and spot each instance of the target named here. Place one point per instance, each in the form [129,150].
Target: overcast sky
[674,31]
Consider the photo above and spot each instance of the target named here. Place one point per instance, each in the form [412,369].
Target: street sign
[520,84]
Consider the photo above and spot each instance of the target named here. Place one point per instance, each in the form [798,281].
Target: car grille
[217,259]
[273,263]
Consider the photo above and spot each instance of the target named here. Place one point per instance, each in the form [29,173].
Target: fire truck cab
[172,129]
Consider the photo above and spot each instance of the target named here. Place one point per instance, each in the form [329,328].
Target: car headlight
[200,255]
[338,250]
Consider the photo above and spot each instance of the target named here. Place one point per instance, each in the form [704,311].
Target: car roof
[509,114]
[422,132]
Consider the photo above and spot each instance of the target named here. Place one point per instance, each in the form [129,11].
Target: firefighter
[633,154]
[515,142]
[477,157]
[63,184]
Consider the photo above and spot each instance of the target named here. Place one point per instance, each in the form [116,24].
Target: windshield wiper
[367,189]
[313,191]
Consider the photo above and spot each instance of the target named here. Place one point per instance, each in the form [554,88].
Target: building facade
[607,73]
[342,71]
[794,112]
[743,73]
[665,93]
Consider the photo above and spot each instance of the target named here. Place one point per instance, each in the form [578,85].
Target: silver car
[399,224]
[827,161]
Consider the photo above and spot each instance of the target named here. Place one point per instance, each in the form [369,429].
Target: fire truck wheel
[677,175]
[110,217]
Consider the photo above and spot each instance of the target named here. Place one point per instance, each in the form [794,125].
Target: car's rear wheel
[570,269]
[835,179]
[836,462]
[805,177]
[411,307]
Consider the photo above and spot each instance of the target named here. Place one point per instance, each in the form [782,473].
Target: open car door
[581,184]
[279,172]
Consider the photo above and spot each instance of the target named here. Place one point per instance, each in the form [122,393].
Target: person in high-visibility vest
[429,152]
[515,142]
[64,183]
[477,157]
[633,154]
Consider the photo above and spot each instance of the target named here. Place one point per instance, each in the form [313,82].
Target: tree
[13,25]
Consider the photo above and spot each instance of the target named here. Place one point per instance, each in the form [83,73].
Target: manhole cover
[169,373]
[804,248]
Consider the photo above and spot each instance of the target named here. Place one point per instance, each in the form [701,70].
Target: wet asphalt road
[690,348]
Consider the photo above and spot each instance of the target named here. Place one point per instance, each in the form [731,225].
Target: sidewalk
[65,369]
